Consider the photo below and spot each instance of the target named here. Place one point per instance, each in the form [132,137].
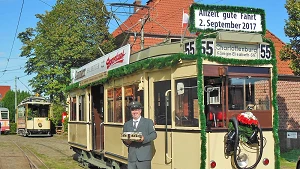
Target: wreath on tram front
[248,127]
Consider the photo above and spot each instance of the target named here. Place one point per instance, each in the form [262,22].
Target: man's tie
[134,124]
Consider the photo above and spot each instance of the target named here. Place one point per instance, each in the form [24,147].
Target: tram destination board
[230,50]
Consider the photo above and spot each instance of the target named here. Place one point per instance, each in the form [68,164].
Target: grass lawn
[289,159]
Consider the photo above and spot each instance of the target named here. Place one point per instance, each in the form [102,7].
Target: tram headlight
[266,161]
[40,125]
[242,160]
[213,164]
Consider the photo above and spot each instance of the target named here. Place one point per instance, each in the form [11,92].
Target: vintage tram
[33,117]
[4,120]
[212,100]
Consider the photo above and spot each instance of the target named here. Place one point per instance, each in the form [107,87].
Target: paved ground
[53,151]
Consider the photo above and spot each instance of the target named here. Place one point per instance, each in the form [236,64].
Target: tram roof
[35,100]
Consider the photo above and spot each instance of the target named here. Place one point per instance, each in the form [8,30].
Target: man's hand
[128,142]
[141,140]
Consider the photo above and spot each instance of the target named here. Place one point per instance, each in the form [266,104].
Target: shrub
[13,127]
[65,124]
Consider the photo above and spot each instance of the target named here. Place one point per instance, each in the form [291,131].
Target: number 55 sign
[208,47]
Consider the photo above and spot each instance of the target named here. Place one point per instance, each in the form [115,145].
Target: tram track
[34,161]
[57,150]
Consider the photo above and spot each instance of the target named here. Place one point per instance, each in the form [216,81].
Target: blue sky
[11,65]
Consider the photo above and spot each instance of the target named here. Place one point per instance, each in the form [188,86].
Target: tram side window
[160,89]
[73,109]
[21,111]
[4,115]
[132,93]
[82,108]
[186,100]
[115,105]
[249,93]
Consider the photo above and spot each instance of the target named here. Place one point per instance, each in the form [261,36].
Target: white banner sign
[115,59]
[228,21]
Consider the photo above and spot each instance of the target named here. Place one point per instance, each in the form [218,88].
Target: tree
[9,101]
[292,29]
[68,36]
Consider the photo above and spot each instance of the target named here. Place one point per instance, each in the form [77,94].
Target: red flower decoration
[247,118]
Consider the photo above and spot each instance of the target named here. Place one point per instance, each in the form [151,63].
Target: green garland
[224,8]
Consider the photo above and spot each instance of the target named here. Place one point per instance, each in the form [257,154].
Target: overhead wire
[14,37]
[25,85]
[45,3]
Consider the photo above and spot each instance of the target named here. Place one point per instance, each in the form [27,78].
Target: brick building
[163,25]
[3,91]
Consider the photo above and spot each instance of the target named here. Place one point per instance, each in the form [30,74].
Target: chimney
[136,2]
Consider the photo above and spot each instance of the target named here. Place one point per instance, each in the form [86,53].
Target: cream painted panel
[118,82]
[159,159]
[130,79]
[215,151]
[77,133]
[45,123]
[186,150]
[112,141]
[185,71]
[29,124]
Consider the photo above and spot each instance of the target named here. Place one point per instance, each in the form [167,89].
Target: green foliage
[291,51]
[9,102]
[68,36]
[291,156]
[57,113]
[65,124]
[13,127]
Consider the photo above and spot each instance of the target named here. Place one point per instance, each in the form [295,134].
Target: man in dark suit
[140,151]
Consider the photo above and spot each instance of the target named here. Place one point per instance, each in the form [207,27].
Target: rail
[31,158]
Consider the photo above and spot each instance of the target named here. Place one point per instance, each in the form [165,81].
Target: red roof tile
[171,22]
[283,66]
[3,91]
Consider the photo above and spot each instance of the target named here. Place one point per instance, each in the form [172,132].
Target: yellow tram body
[95,125]
[33,117]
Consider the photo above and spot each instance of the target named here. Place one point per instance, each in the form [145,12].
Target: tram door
[214,97]
[159,84]
[98,117]
[215,110]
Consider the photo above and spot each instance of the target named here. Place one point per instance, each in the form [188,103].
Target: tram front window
[248,93]
[186,107]
[4,115]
